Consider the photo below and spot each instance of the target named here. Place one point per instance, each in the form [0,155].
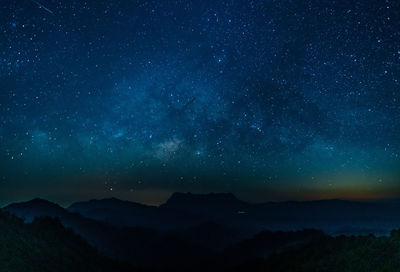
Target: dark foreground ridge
[46,245]
[191,232]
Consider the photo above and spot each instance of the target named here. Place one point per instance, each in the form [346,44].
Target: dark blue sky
[270,100]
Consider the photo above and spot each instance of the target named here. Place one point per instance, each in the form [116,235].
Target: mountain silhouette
[205,204]
[45,244]
[97,234]
[35,208]
[194,229]
[129,214]
[136,245]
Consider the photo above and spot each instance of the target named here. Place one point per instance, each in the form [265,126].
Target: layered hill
[190,229]
[45,245]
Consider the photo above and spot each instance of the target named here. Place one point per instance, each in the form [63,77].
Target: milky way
[269,100]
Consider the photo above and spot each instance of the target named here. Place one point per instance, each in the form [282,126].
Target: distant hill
[102,209]
[205,204]
[129,214]
[332,216]
[181,211]
[186,210]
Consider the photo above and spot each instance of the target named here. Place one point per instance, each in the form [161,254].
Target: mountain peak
[190,201]
[37,203]
[219,196]
[107,200]
[112,203]
[35,208]
[40,200]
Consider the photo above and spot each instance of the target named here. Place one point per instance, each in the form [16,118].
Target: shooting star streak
[43,7]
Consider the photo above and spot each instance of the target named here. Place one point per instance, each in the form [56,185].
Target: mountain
[209,204]
[191,229]
[180,211]
[45,245]
[209,232]
[333,216]
[97,234]
[223,209]
[216,218]
[35,208]
[136,245]
[129,214]
[187,210]
[116,212]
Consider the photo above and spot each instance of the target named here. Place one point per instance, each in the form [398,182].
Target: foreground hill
[95,233]
[333,254]
[45,245]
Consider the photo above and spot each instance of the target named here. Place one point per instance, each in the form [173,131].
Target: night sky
[269,100]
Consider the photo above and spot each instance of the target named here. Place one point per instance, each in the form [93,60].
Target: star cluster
[266,99]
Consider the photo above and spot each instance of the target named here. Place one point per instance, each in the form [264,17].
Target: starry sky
[269,100]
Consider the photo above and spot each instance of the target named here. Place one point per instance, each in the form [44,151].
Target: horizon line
[365,200]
